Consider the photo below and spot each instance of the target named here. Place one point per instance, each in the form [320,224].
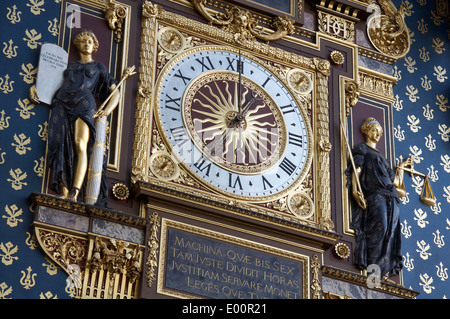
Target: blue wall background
[422,128]
[24,272]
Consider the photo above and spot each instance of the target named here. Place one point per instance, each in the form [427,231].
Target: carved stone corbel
[387,29]
[242,24]
[115,16]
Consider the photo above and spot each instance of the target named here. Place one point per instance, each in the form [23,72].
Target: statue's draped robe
[83,84]
[377,229]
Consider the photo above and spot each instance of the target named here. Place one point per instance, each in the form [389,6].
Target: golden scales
[426,196]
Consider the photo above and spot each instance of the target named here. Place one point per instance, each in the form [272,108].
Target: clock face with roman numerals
[232,123]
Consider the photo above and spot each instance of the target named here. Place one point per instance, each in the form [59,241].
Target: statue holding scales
[376,217]
[75,122]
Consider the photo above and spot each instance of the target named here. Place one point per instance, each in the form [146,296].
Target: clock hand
[239,67]
[247,106]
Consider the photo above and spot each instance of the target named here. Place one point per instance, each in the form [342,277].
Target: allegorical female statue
[375,217]
[71,130]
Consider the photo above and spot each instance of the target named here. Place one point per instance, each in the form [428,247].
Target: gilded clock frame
[148,140]
[167,144]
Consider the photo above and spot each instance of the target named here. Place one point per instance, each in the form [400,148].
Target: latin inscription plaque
[221,268]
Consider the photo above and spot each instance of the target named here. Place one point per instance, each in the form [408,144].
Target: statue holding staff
[71,130]
[375,217]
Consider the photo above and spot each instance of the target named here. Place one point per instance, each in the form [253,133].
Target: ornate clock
[233,123]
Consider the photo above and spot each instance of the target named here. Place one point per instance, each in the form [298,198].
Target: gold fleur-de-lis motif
[436,19]
[439,73]
[22,141]
[12,214]
[417,183]
[7,251]
[412,91]
[31,241]
[445,159]
[430,143]
[399,134]
[25,107]
[2,157]
[424,54]
[13,16]
[35,6]
[9,49]
[53,27]
[405,229]
[426,283]
[423,249]
[398,104]
[447,193]
[416,152]
[413,123]
[422,26]
[47,295]
[438,239]
[438,45]
[436,208]
[4,121]
[29,74]
[6,86]
[420,218]
[397,73]
[441,102]
[32,38]
[5,291]
[433,174]
[43,131]
[444,132]
[408,262]
[441,271]
[427,112]
[426,84]
[410,64]
[39,167]
[51,268]
[28,279]
[17,181]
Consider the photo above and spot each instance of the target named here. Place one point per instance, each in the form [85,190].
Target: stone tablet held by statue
[52,63]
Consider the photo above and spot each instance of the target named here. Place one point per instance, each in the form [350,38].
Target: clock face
[232,123]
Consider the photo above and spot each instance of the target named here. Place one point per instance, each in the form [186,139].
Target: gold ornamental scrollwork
[242,24]
[316,289]
[352,93]
[153,246]
[388,31]
[68,251]
[115,15]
